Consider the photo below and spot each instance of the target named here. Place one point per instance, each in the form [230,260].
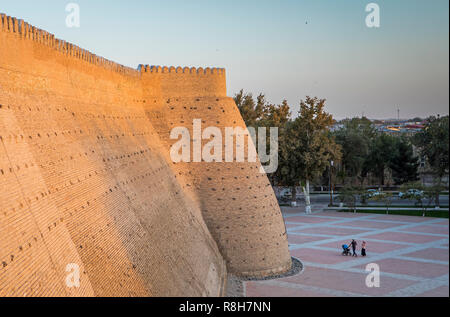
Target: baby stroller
[346,250]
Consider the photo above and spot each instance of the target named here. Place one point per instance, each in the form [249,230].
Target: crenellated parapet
[181,70]
[23,30]
[183,81]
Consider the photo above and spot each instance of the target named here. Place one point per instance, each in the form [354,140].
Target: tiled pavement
[412,253]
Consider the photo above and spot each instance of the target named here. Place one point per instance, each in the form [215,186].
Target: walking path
[411,252]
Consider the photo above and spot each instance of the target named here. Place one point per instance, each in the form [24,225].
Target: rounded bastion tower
[236,200]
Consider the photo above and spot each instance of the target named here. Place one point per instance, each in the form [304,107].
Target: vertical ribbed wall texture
[86,178]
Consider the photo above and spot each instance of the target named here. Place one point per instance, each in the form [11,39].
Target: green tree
[349,196]
[381,153]
[286,174]
[362,125]
[425,196]
[433,143]
[355,138]
[276,116]
[259,113]
[251,110]
[404,164]
[308,147]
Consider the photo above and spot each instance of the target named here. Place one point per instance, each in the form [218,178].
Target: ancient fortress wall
[86,178]
[236,200]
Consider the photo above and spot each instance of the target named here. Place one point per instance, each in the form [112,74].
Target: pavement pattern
[411,252]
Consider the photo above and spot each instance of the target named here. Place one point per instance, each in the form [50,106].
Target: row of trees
[307,145]
[367,152]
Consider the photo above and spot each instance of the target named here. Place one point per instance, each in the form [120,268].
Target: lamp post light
[331,183]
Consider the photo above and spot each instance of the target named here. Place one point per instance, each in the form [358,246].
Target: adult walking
[363,248]
[354,244]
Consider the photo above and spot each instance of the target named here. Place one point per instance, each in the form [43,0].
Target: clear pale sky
[283,48]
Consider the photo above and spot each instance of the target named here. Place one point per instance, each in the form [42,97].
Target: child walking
[363,248]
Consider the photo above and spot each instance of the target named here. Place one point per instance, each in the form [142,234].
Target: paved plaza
[412,254]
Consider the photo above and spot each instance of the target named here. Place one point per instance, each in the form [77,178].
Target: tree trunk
[307,199]
[293,194]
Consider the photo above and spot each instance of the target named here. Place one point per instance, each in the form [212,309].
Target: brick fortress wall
[86,178]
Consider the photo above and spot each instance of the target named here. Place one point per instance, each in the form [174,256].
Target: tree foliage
[349,195]
[355,138]
[433,143]
[424,196]
[404,164]
[309,144]
[250,109]
[381,152]
[306,145]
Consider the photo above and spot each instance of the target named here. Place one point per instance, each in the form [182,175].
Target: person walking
[363,248]
[354,244]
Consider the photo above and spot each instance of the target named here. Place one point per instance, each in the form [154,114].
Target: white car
[372,193]
[411,192]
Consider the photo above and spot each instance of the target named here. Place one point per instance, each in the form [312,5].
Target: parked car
[286,194]
[372,193]
[411,192]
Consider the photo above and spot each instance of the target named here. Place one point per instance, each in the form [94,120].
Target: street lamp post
[331,183]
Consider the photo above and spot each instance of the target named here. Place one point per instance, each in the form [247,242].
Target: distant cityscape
[391,126]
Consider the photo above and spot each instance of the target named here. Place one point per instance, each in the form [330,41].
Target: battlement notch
[26,31]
